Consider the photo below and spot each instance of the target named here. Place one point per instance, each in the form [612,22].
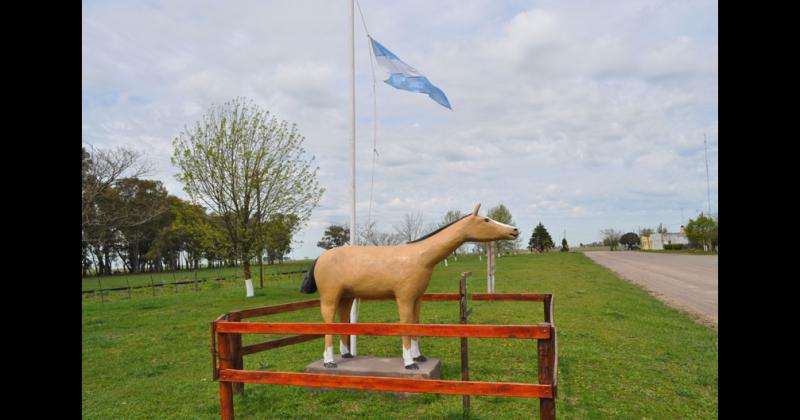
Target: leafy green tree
[278,239]
[246,166]
[703,232]
[138,204]
[540,239]
[564,245]
[661,229]
[645,232]
[611,238]
[630,240]
[335,235]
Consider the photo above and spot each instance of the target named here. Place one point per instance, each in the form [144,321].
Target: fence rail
[228,364]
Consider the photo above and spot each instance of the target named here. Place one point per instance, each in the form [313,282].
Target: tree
[410,228]
[661,229]
[368,234]
[246,166]
[564,246]
[100,170]
[278,240]
[645,232]
[501,214]
[540,239]
[611,238]
[335,235]
[137,203]
[630,240]
[703,231]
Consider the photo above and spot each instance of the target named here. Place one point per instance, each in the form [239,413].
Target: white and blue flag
[403,76]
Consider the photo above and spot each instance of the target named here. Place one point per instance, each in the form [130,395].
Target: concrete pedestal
[378,366]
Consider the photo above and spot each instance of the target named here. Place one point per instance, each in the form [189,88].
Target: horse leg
[418,357]
[344,317]
[328,309]
[406,312]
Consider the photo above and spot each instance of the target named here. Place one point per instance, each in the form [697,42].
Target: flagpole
[351,58]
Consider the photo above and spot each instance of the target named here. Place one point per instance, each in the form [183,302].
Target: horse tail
[310,283]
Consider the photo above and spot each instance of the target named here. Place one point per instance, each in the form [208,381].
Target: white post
[352,59]
[490,267]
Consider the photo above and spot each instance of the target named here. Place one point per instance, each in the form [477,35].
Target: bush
[675,246]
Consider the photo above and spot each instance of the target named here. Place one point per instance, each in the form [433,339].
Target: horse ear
[475,210]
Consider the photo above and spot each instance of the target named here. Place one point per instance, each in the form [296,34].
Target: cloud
[582,115]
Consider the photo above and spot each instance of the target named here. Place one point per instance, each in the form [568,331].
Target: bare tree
[611,238]
[101,169]
[410,227]
[369,235]
[246,166]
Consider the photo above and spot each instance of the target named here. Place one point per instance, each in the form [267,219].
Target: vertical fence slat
[546,365]
[225,388]
[462,291]
[237,359]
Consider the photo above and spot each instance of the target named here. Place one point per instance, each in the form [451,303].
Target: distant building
[658,240]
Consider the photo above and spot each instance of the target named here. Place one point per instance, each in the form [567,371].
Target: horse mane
[437,230]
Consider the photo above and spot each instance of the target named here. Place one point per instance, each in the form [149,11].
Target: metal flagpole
[352,59]
[708,182]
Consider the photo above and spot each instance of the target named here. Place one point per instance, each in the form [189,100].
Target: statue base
[391,367]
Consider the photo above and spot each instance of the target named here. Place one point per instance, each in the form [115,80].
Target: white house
[658,240]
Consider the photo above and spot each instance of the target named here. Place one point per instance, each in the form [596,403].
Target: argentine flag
[403,76]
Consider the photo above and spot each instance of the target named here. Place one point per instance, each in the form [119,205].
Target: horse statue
[402,272]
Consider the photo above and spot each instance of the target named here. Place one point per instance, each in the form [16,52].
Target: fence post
[101,290]
[237,359]
[152,285]
[261,269]
[548,308]
[225,388]
[546,365]
[129,287]
[462,291]
[195,279]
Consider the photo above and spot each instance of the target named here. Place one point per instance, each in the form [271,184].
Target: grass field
[622,353]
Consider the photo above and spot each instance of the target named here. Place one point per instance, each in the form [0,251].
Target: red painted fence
[228,365]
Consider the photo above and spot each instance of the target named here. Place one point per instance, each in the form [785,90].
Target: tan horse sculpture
[401,271]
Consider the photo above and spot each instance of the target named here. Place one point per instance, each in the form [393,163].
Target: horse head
[485,229]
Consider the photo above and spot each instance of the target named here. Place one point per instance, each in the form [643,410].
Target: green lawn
[622,353]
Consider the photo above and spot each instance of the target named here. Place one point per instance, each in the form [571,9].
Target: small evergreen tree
[540,239]
[564,246]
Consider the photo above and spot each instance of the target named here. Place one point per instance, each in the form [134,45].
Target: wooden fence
[196,281]
[228,365]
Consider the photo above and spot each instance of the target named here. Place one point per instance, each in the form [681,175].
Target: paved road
[688,282]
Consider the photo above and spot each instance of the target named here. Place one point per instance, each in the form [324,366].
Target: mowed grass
[622,353]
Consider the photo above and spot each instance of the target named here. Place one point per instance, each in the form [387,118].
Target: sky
[581,115]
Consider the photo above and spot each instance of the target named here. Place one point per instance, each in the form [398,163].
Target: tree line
[412,227]
[702,233]
[251,188]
